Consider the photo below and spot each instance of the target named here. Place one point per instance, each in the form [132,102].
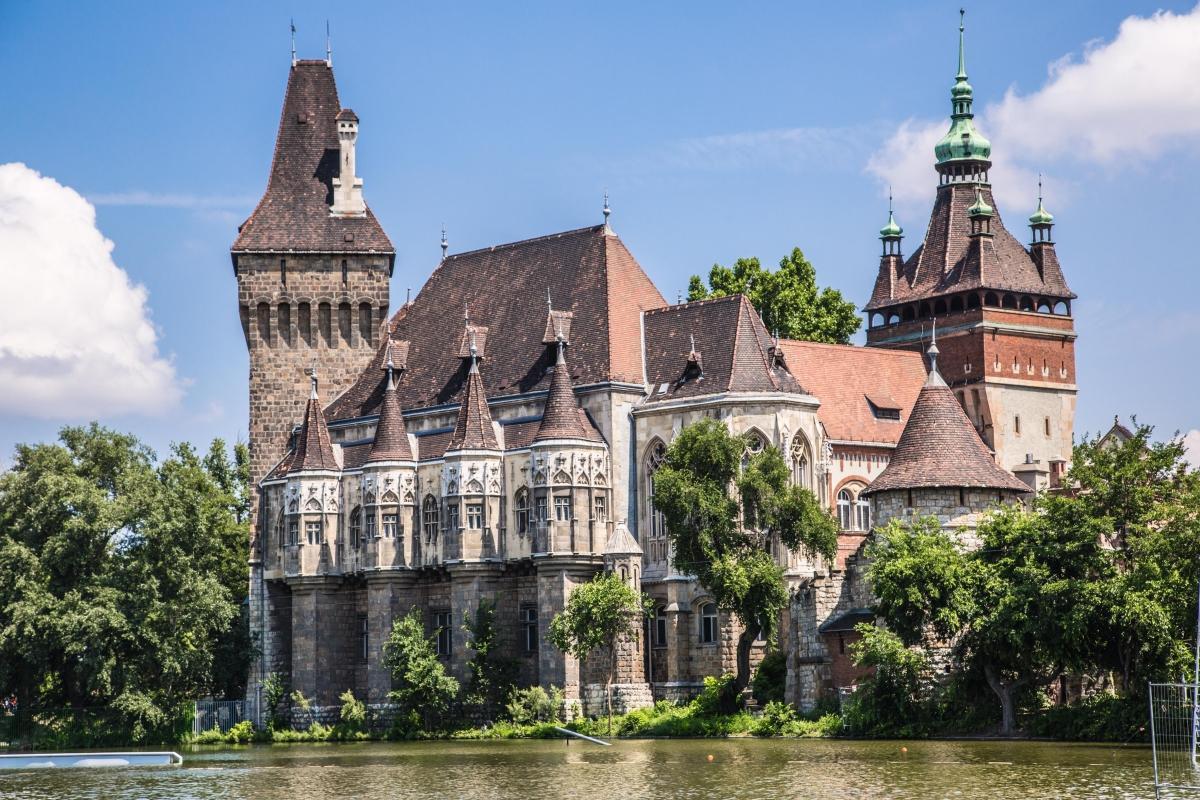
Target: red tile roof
[473,429]
[293,213]
[846,379]
[947,262]
[940,448]
[314,451]
[391,436]
[560,418]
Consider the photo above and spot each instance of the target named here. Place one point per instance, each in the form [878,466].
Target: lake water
[741,768]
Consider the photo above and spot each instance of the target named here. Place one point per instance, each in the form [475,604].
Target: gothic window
[475,516]
[529,628]
[312,531]
[543,513]
[522,506]
[452,516]
[655,456]
[280,530]
[345,273]
[389,526]
[708,623]
[801,472]
[441,622]
[369,529]
[429,514]
[562,507]
[845,502]
[283,271]
[293,532]
[600,508]
[356,528]
[660,626]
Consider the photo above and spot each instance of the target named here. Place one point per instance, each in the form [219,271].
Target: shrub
[708,702]
[777,719]
[275,691]
[422,686]
[241,733]
[771,678]
[1102,717]
[535,704]
[353,724]
[211,736]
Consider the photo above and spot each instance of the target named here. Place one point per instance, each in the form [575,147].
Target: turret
[1041,249]
[347,187]
[980,214]
[962,152]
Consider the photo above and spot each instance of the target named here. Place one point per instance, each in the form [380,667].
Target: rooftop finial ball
[710,756]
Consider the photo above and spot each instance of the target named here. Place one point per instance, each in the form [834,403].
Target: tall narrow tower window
[345,273]
[283,271]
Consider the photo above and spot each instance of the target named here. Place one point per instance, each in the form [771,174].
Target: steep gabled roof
[940,448]
[946,262]
[293,213]
[560,418]
[847,379]
[391,436]
[314,451]
[473,429]
[709,347]
[589,273]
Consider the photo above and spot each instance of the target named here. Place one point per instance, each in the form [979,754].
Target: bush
[422,686]
[1099,718]
[353,724]
[275,691]
[535,704]
[771,678]
[892,703]
[241,733]
[708,702]
[213,735]
[777,719]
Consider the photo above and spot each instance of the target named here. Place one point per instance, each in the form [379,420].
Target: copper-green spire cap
[962,141]
[980,207]
[891,230]
[1041,216]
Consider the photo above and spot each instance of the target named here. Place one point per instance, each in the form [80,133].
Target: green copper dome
[891,230]
[1041,216]
[962,141]
[980,207]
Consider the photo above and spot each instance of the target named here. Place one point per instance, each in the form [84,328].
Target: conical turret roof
[314,450]
[473,430]
[560,419]
[391,437]
[940,448]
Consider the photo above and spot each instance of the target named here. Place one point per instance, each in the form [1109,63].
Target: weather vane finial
[328,46]
[293,22]
[445,243]
[607,210]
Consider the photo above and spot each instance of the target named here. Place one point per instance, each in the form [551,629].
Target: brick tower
[312,265]
[1002,310]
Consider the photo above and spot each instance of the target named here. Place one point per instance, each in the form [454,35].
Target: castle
[496,437]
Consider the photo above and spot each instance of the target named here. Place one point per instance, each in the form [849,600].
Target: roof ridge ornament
[293,24]
[607,209]
[328,47]
[445,242]
[935,377]
[312,376]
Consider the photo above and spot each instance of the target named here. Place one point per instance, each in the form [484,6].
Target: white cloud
[1123,101]
[1191,444]
[76,340]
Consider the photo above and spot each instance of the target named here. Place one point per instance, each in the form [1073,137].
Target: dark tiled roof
[473,429]
[948,262]
[589,273]
[845,378]
[940,448]
[391,436]
[293,214]
[314,451]
[733,344]
[560,418]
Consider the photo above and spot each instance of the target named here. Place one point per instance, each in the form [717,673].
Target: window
[844,503]
[600,508]
[862,514]
[312,531]
[562,507]
[441,621]
[529,628]
[755,442]
[542,510]
[658,523]
[371,531]
[280,531]
[389,526]
[356,528]
[1017,425]
[660,626]
[1047,426]
[293,537]
[452,517]
[475,516]
[283,271]
[429,517]
[708,623]
[522,505]
[345,273]
[801,475]
[364,642]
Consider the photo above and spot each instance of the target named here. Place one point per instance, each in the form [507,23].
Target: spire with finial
[1041,220]
[407,295]
[473,429]
[891,233]
[445,243]
[607,210]
[935,377]
[293,24]
[560,417]
[312,377]
[314,450]
[328,46]
[962,141]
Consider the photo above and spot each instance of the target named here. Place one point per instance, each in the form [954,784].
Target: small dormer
[347,187]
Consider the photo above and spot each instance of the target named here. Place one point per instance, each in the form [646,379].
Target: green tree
[110,575]
[787,299]
[599,616]
[492,674]
[723,517]
[420,685]
[890,701]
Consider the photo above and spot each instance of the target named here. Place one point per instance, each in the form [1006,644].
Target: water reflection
[740,768]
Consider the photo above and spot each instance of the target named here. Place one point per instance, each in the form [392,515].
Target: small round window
[755,443]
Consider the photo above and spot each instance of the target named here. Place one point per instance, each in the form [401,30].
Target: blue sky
[718,131]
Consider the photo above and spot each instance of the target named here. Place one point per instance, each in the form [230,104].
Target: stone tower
[1002,310]
[312,265]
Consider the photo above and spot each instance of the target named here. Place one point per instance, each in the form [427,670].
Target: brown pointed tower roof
[314,451]
[940,448]
[473,430]
[391,436]
[561,418]
[293,214]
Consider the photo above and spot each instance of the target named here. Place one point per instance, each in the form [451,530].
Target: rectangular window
[431,519]
[452,517]
[441,621]
[364,643]
[312,532]
[372,531]
[1047,426]
[389,526]
[529,628]
[562,507]
[542,511]
[708,623]
[600,506]
[283,271]
[475,516]
[660,627]
[293,537]
[522,516]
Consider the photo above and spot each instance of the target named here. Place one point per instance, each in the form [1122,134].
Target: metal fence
[1174,713]
[221,714]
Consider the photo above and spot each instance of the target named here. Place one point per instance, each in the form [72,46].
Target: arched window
[654,459]
[755,442]
[356,527]
[801,466]
[862,513]
[279,530]
[522,506]
[708,623]
[429,517]
[845,502]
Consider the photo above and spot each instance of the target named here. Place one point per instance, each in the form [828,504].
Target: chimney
[347,188]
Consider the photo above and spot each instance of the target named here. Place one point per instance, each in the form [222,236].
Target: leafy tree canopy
[787,299]
[420,685]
